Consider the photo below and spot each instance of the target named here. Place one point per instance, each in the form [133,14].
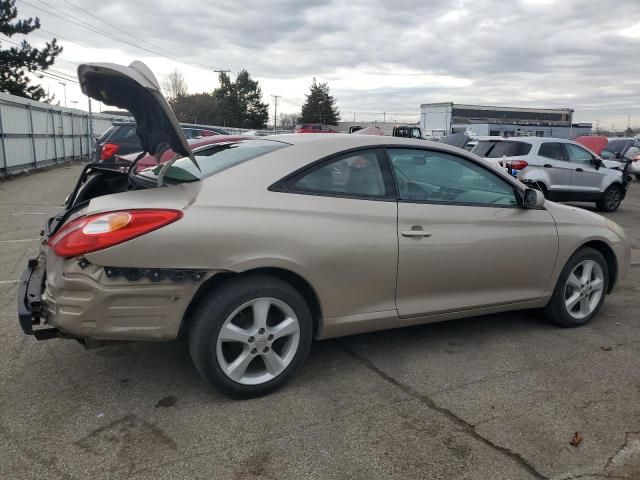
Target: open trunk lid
[136,89]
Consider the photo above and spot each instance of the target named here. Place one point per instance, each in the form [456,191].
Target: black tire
[214,310]
[556,310]
[611,199]
[637,175]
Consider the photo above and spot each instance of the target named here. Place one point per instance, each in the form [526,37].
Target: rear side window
[501,148]
[551,150]
[357,174]
[124,133]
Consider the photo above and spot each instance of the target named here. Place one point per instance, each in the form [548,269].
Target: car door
[555,165]
[346,226]
[464,241]
[584,176]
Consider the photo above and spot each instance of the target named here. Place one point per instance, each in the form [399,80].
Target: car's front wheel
[251,335]
[611,199]
[580,290]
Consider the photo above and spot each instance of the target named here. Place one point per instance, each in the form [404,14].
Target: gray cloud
[563,53]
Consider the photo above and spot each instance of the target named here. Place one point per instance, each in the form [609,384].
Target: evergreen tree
[240,101]
[320,106]
[16,61]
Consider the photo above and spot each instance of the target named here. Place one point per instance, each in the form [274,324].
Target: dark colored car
[122,139]
[194,144]
[314,128]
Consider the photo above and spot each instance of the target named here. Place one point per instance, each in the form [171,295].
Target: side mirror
[533,198]
[597,162]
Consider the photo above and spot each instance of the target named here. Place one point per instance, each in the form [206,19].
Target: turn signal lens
[97,232]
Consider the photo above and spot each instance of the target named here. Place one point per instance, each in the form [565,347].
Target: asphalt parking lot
[496,397]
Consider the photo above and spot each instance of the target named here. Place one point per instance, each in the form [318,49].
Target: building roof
[497,108]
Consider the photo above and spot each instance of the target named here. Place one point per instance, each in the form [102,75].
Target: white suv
[563,170]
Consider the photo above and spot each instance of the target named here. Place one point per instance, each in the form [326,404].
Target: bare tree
[174,85]
[288,121]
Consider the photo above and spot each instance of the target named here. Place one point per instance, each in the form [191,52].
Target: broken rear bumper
[30,300]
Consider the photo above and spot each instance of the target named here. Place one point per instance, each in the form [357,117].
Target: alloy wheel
[613,199]
[584,289]
[258,341]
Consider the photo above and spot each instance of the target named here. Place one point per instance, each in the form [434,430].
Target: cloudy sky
[377,55]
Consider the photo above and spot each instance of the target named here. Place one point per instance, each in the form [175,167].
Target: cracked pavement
[494,397]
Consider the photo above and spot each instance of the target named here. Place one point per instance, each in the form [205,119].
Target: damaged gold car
[252,248]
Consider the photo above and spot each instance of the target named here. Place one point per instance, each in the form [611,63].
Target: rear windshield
[501,148]
[213,159]
[124,133]
[102,137]
[619,146]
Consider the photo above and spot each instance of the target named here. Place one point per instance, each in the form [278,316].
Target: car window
[213,159]
[501,148]
[440,177]
[353,174]
[607,155]
[551,150]
[578,154]
[106,134]
[124,133]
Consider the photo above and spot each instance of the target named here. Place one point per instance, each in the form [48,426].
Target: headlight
[613,226]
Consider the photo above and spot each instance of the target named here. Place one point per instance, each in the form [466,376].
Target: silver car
[251,248]
[562,169]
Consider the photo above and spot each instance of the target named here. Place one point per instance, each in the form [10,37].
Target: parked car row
[254,247]
[562,169]
[122,139]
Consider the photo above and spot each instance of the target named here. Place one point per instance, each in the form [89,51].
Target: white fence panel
[34,134]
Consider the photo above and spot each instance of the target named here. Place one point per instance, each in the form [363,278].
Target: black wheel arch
[609,255]
[295,280]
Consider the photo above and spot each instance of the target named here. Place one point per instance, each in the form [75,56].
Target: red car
[150,161]
[314,128]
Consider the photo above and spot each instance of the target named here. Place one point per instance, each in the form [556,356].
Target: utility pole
[384,117]
[221,71]
[275,111]
[64,86]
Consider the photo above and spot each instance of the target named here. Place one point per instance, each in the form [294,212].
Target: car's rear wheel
[251,335]
[637,176]
[611,199]
[580,290]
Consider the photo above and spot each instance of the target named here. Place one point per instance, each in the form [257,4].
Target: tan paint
[478,260]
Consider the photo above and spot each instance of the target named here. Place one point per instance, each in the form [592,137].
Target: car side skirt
[369,322]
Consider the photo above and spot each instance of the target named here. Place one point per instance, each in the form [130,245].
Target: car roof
[532,140]
[346,141]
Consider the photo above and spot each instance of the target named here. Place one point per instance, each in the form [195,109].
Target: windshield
[619,146]
[500,148]
[213,159]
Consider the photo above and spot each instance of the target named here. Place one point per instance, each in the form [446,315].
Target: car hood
[136,89]
[595,143]
[568,214]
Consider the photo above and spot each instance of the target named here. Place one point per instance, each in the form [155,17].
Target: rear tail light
[108,150]
[103,230]
[517,164]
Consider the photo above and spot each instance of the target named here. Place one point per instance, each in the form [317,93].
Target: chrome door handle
[415,233]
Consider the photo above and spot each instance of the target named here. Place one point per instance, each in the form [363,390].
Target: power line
[83,24]
[122,30]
